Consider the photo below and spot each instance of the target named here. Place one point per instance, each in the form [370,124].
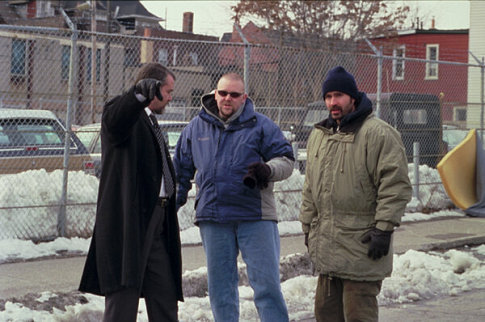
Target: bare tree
[342,19]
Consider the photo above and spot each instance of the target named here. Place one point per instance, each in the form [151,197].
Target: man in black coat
[135,250]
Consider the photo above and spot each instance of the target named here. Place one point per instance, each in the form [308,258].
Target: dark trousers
[345,300]
[158,284]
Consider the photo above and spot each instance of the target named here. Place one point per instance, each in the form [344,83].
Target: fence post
[294,145]
[416,170]
[482,98]
[61,216]
[380,60]
[247,56]
[108,54]
[94,58]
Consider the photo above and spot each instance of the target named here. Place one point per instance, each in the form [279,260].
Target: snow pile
[30,205]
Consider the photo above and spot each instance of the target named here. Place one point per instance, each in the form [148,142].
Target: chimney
[432,23]
[188,22]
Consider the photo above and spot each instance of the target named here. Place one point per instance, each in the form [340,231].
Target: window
[415,117]
[315,116]
[18,59]
[89,64]
[398,64]
[65,61]
[459,114]
[20,133]
[44,9]
[163,56]
[194,58]
[131,57]
[432,53]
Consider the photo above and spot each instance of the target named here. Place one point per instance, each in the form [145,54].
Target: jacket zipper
[342,158]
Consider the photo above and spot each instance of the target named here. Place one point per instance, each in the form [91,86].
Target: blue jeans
[259,243]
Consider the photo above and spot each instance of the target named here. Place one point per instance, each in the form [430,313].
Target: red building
[407,68]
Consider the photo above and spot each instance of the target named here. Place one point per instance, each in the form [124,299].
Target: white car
[90,136]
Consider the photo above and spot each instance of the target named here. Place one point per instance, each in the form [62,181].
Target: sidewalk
[427,235]
[63,275]
[443,233]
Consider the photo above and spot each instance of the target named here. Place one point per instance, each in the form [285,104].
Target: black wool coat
[128,190]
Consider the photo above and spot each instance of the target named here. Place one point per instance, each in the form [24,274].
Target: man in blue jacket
[236,155]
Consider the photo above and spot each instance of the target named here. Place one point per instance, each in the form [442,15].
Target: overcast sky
[214,17]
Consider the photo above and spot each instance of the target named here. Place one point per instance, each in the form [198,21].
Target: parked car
[34,139]
[452,136]
[418,118]
[314,113]
[90,136]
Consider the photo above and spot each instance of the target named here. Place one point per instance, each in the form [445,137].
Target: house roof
[172,34]
[431,31]
[131,9]
[7,13]
[126,9]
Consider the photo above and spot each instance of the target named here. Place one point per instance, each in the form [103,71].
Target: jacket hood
[352,121]
[210,109]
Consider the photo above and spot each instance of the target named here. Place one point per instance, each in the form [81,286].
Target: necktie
[167,175]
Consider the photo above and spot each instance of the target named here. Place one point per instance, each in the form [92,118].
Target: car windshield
[315,116]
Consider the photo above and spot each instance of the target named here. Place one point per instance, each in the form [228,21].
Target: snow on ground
[416,276]
[29,189]
[29,207]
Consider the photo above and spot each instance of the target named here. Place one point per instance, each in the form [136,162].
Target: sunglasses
[232,94]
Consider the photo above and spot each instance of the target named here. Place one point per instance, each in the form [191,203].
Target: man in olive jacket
[355,192]
[135,250]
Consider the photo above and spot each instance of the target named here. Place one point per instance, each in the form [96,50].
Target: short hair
[232,77]
[155,71]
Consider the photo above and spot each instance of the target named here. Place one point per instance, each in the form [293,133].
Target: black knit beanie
[338,79]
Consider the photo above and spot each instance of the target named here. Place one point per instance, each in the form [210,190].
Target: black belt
[162,201]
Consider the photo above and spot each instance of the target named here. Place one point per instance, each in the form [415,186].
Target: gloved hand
[258,174]
[149,88]
[379,242]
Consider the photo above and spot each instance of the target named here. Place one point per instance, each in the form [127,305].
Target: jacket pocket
[354,220]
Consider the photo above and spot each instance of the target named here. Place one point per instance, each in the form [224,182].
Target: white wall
[477,47]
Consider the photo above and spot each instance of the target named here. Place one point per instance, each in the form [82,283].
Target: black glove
[149,88]
[258,174]
[379,242]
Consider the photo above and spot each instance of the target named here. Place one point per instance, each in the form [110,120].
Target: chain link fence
[49,163]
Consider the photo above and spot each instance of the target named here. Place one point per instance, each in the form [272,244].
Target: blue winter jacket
[219,155]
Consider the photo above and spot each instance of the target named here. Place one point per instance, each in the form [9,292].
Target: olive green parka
[356,179]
